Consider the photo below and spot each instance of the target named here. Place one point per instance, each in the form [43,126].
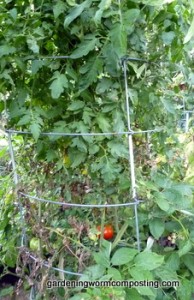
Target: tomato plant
[85,93]
[108,231]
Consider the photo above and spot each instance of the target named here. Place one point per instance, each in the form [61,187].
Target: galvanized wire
[16,182]
[80,205]
[130,132]
[186,117]
[54,268]
[126,58]
[131,155]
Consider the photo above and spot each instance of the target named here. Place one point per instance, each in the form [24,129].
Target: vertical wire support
[186,121]
[131,155]
[148,145]
[16,182]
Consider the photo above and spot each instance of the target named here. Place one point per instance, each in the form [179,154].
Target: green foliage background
[83,91]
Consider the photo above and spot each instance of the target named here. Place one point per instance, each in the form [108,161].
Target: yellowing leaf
[84,172]
[66,160]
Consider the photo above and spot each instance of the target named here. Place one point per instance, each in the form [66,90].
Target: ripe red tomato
[108,231]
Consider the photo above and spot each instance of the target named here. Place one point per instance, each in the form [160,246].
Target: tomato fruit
[108,231]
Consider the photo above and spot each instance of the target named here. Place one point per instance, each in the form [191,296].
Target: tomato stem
[102,226]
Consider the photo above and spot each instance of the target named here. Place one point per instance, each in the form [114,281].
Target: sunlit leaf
[33,45]
[58,85]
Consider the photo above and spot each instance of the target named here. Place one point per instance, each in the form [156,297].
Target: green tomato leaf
[161,202]
[118,123]
[156,227]
[93,272]
[131,15]
[24,120]
[76,105]
[173,262]
[58,85]
[91,69]
[118,149]
[148,260]
[104,5]
[58,8]
[103,123]
[77,141]
[166,274]
[140,274]
[93,149]
[36,66]
[85,47]
[13,13]
[115,274]
[118,36]
[32,44]
[77,159]
[123,256]
[185,249]
[185,289]
[51,155]
[168,37]
[188,261]
[169,105]
[190,33]
[101,259]
[6,49]
[103,85]
[35,129]
[76,12]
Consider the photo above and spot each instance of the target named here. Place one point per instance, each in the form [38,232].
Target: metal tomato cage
[187,120]
[133,202]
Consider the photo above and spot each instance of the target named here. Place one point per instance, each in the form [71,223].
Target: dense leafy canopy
[61,70]
[85,92]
